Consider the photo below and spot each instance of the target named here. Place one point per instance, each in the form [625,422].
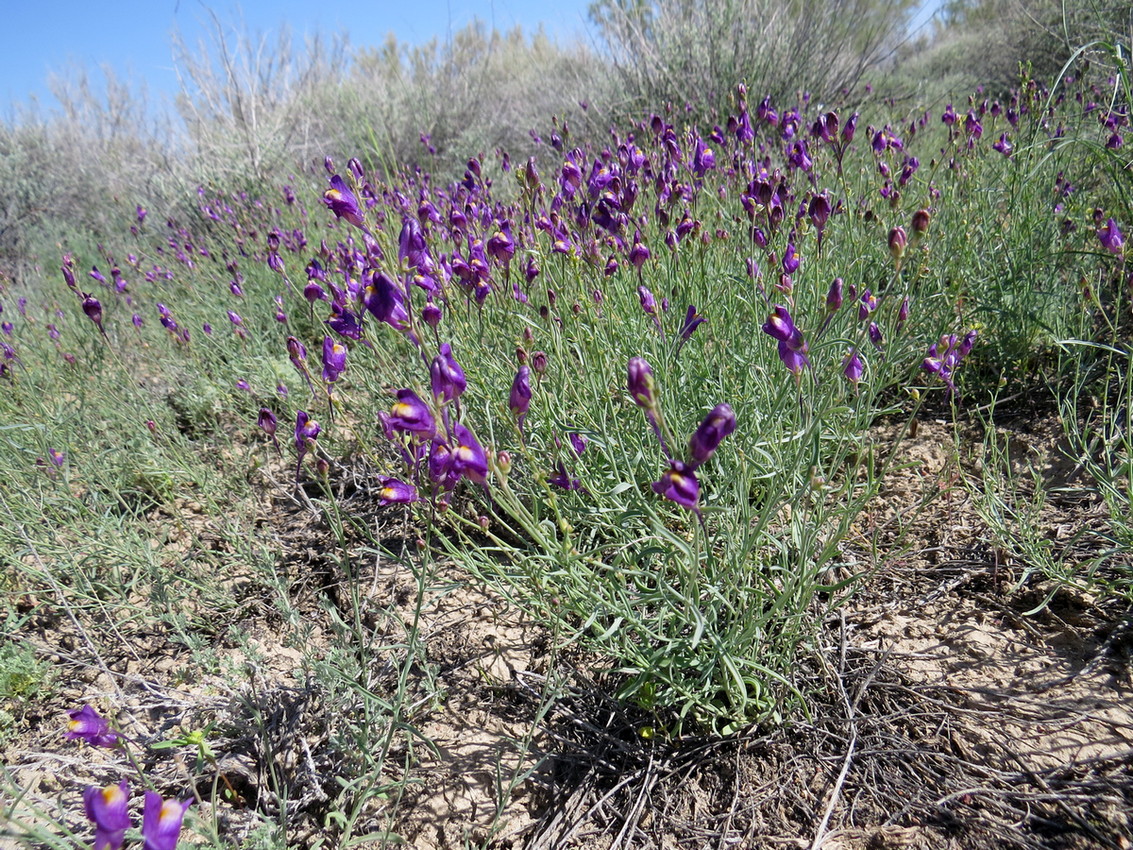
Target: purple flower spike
[679,485]
[106,807]
[718,424]
[395,492]
[641,384]
[411,414]
[468,458]
[342,202]
[520,399]
[334,360]
[446,376]
[90,726]
[161,821]
[1111,238]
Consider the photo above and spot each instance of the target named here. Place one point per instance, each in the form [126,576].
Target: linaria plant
[638,384]
[699,571]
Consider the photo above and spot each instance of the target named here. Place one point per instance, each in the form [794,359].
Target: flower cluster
[108,807]
[944,357]
[679,482]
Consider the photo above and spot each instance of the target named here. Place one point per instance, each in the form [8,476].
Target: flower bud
[641,383]
[503,463]
[898,241]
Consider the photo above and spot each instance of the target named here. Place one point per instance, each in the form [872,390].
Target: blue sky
[134,37]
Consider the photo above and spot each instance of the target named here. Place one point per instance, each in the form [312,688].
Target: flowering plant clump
[469,357]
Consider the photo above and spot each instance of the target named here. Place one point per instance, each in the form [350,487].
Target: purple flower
[898,241]
[563,481]
[446,376]
[693,320]
[641,383]
[501,246]
[313,291]
[268,424]
[307,430]
[638,254]
[944,357]
[875,335]
[106,807]
[679,485]
[161,821]
[791,261]
[468,458]
[412,252]
[411,414]
[1111,238]
[431,313]
[297,353]
[520,399]
[718,424]
[819,211]
[342,202]
[852,366]
[834,296]
[921,220]
[90,726]
[334,360]
[868,305]
[342,321]
[577,442]
[392,491]
[386,301]
[648,303]
[792,346]
[57,457]
[93,308]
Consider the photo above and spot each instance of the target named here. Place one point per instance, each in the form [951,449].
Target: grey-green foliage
[478,91]
[684,51]
[76,170]
[986,41]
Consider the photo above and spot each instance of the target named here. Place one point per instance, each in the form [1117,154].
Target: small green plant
[22,675]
